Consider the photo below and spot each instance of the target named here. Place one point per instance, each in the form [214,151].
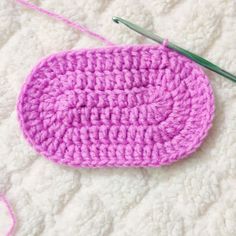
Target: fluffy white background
[196,196]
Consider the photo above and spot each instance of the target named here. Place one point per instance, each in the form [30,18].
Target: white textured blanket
[196,196]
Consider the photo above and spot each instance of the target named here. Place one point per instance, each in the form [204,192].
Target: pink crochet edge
[11,214]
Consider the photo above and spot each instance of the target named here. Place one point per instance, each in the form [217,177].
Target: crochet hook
[201,61]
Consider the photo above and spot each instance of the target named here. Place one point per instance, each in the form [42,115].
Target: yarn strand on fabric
[11,214]
[66,21]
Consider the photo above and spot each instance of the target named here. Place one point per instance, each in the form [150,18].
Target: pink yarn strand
[11,214]
[66,21]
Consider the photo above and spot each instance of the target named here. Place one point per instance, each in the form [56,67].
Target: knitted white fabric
[195,196]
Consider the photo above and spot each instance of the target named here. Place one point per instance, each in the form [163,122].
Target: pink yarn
[66,21]
[11,214]
[120,106]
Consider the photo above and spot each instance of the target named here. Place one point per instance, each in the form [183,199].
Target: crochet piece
[118,106]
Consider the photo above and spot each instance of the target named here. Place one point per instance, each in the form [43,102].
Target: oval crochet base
[121,106]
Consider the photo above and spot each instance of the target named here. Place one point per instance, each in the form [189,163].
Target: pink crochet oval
[118,106]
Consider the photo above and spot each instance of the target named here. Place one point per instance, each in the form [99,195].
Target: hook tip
[115,19]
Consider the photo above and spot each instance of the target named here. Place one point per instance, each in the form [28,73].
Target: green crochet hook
[201,61]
